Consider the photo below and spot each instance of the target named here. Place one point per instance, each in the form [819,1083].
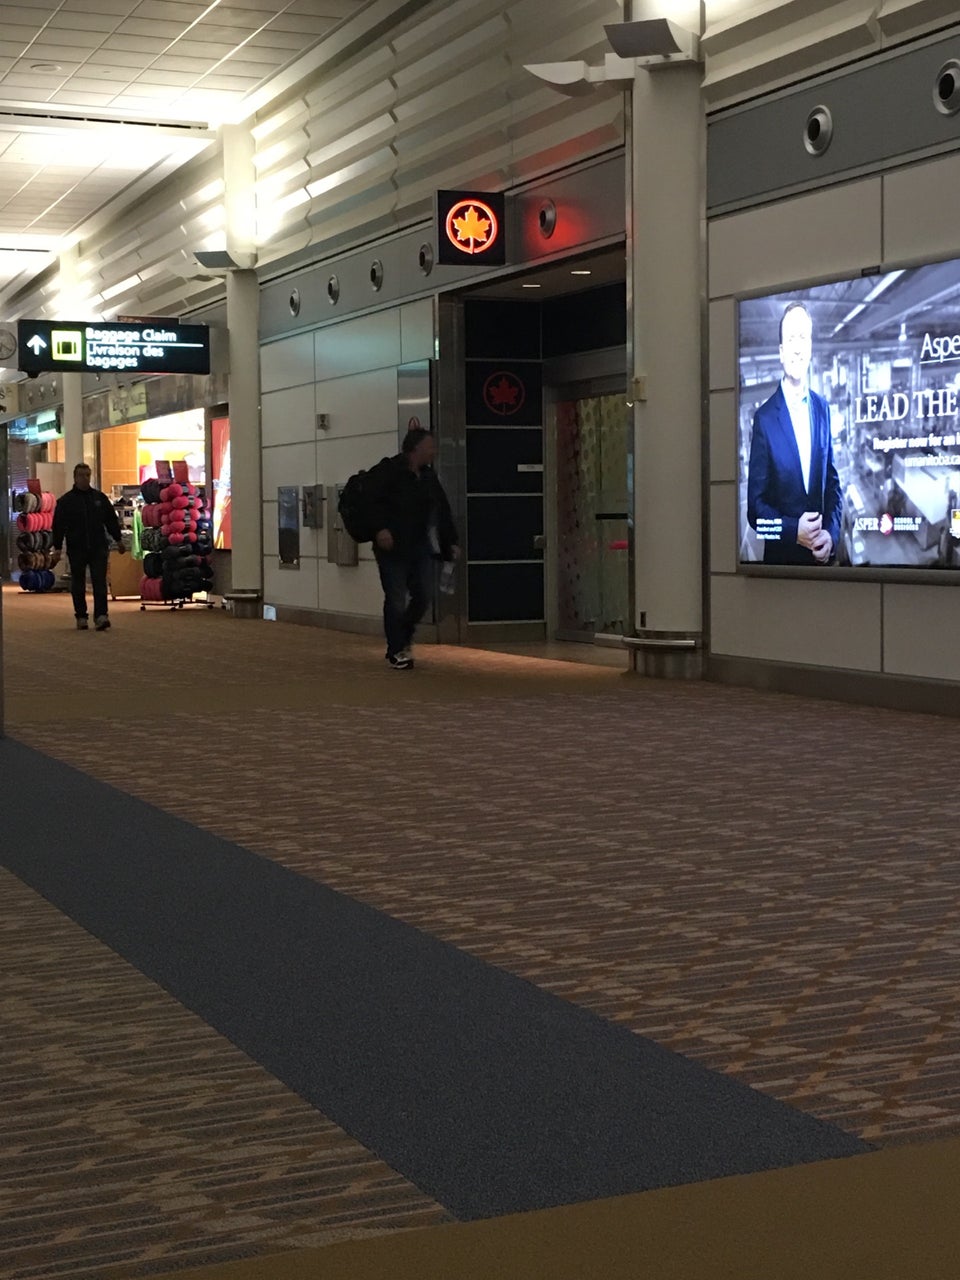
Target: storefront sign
[127,404]
[470,228]
[78,346]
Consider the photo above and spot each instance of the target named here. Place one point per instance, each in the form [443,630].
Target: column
[72,422]
[243,315]
[665,234]
[243,323]
[72,306]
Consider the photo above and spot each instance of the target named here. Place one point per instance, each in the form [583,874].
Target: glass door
[594,497]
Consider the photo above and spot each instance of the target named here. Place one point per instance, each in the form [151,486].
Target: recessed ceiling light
[581,273]
[45,66]
[531,286]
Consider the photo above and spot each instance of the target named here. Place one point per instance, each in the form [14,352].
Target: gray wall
[348,371]
[880,627]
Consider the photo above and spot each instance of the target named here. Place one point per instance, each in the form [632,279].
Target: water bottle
[446,577]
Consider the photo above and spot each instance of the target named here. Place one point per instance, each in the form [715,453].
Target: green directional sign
[93,346]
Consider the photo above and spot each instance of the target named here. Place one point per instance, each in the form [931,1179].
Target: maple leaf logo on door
[504,393]
[472,226]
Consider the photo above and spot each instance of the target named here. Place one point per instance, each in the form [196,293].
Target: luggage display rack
[185,602]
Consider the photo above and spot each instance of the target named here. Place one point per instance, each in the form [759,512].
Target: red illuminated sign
[470,228]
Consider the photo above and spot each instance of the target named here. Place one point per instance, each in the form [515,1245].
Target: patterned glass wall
[592,529]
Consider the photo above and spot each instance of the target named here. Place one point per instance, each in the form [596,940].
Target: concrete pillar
[71,305]
[665,233]
[243,316]
[72,422]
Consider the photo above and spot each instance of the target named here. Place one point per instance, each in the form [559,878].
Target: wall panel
[361,405]
[288,464]
[920,206]
[295,588]
[723,528]
[829,232]
[417,331]
[723,436]
[339,458]
[288,416]
[371,342]
[355,591]
[288,363]
[820,624]
[919,630]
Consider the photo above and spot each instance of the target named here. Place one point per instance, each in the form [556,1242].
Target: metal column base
[669,657]
[244,604]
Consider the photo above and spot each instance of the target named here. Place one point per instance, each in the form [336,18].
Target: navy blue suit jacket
[775,488]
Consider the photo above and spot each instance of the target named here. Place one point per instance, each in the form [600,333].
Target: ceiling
[555,280]
[83,83]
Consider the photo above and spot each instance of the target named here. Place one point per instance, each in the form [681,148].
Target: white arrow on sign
[37,344]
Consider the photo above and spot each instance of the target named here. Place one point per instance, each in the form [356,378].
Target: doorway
[541,398]
[592,466]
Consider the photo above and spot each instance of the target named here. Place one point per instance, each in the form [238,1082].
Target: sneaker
[406,654]
[399,663]
[102,623]
[83,624]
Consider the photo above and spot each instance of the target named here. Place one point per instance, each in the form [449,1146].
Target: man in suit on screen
[794,501]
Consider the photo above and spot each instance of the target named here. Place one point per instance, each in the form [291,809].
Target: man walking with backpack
[412,528]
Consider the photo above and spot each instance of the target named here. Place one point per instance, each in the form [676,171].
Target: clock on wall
[8,344]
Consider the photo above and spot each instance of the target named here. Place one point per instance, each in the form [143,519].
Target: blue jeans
[407,581]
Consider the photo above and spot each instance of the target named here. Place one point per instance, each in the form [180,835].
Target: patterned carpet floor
[763,883]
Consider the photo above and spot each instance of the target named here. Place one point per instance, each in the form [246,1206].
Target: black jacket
[84,517]
[408,504]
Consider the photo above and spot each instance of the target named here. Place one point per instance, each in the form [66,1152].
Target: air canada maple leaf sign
[504,393]
[470,227]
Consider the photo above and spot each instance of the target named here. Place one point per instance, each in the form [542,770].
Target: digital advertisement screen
[222,506]
[849,422]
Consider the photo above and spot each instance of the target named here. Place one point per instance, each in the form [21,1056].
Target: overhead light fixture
[650,43]
[531,286]
[652,38]
[45,66]
[581,271]
[223,260]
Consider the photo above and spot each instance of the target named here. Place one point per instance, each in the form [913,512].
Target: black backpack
[356,506]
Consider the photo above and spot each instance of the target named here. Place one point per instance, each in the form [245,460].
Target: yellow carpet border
[889,1215]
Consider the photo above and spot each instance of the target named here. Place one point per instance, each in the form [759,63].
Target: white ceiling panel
[94,24]
[161,30]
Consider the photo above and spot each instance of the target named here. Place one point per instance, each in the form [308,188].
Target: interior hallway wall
[885,628]
[348,371]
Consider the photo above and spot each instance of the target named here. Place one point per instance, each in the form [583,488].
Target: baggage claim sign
[78,346]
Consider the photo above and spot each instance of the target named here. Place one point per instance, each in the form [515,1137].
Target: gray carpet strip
[491,1095]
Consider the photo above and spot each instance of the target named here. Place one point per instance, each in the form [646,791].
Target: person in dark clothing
[85,518]
[415,529]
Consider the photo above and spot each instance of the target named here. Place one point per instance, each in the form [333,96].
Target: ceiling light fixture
[581,272]
[531,286]
[45,66]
